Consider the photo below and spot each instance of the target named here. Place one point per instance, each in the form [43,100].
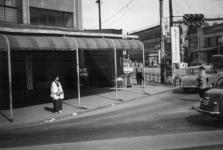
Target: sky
[135,15]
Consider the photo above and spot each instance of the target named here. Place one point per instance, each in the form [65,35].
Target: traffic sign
[193,19]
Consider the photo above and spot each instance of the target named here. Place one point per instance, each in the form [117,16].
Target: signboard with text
[195,20]
[166,26]
[175,40]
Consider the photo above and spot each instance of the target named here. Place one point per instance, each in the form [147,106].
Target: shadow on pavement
[188,100]
[182,91]
[5,116]
[205,121]
[22,98]
[49,109]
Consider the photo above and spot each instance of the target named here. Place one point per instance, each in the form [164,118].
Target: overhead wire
[123,14]
[188,5]
[119,11]
[178,8]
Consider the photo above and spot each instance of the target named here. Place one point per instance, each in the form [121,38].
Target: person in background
[140,77]
[57,95]
[137,76]
[202,81]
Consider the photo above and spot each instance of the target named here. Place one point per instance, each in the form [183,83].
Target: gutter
[68,33]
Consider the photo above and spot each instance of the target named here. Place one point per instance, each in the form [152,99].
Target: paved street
[159,121]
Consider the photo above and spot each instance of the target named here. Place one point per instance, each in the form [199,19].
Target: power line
[123,14]
[178,6]
[188,5]
[119,11]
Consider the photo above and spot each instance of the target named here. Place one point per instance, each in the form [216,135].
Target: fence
[152,75]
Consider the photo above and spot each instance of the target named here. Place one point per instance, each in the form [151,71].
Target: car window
[193,71]
[196,71]
[219,84]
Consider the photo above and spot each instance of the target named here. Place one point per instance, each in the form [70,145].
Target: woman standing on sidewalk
[57,95]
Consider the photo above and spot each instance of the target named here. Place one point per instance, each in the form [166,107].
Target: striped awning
[128,44]
[94,43]
[37,43]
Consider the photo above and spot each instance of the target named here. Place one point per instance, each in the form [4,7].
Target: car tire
[220,117]
[185,90]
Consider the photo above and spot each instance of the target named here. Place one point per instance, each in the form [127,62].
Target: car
[212,102]
[189,81]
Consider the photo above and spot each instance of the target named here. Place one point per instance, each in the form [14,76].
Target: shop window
[12,3]
[51,18]
[10,11]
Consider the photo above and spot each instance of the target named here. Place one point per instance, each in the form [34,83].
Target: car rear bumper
[206,112]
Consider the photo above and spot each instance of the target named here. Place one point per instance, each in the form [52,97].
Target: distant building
[207,41]
[151,40]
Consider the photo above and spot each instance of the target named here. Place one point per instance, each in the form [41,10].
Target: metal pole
[171,24]
[10,76]
[171,12]
[162,48]
[143,57]
[99,12]
[78,73]
[115,61]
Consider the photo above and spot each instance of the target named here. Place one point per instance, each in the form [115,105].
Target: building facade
[207,42]
[151,40]
[54,13]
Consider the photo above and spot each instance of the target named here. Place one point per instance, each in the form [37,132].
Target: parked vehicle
[189,81]
[212,103]
[217,61]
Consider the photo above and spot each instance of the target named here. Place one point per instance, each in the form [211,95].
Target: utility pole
[99,12]
[171,13]
[162,46]
[171,24]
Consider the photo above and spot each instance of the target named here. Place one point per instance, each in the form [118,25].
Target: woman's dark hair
[54,77]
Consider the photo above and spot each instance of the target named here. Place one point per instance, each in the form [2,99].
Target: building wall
[208,43]
[10,11]
[59,5]
[151,40]
[70,6]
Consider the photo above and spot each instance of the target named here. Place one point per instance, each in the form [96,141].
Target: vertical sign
[175,40]
[29,70]
[166,26]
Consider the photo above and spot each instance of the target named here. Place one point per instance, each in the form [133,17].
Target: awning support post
[115,61]
[10,76]
[78,73]
[143,57]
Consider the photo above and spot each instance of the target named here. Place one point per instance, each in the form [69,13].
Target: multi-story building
[205,42]
[151,40]
[39,39]
[54,13]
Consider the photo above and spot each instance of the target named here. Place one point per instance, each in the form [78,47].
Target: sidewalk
[41,114]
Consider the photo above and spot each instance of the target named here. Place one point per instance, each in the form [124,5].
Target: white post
[115,59]
[143,57]
[78,73]
[10,76]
